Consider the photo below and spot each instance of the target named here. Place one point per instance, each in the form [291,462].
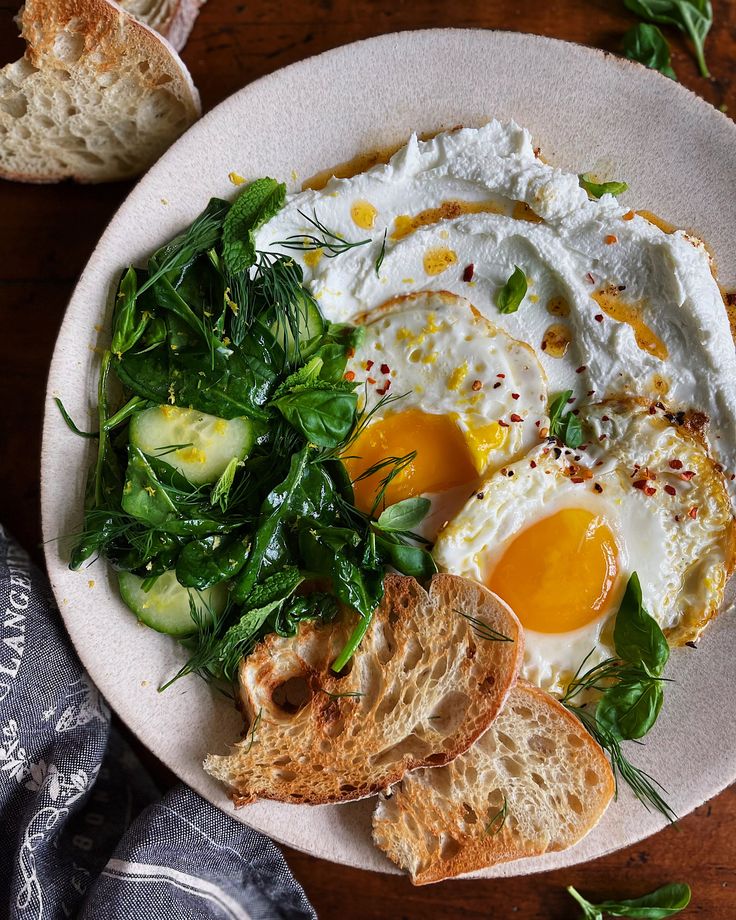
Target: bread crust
[446,822]
[428,687]
[74,47]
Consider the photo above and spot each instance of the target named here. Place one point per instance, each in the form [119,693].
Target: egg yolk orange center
[442,459]
[558,574]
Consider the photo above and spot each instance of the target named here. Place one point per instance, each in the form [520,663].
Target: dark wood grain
[47,234]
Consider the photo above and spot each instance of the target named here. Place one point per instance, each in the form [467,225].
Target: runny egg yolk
[442,459]
[558,574]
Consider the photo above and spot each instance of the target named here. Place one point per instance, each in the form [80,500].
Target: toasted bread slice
[171,18]
[97,95]
[534,782]
[420,689]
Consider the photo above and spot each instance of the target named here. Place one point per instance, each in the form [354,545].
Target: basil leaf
[567,427]
[657,905]
[404,515]
[637,636]
[512,293]
[630,708]
[256,204]
[324,415]
[646,44]
[597,189]
[693,17]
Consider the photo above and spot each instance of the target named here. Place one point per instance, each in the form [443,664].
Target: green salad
[218,491]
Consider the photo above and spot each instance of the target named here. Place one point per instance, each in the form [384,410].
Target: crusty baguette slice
[428,684]
[97,95]
[536,759]
[171,18]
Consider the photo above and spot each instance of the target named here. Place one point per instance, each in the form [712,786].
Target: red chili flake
[516,418]
[385,368]
[384,389]
[580,369]
[599,463]
[371,380]
[732,477]
[605,418]
[468,273]
[502,376]
[368,365]
[598,317]
[538,422]
[590,278]
[602,437]
[676,464]
[643,486]
[693,512]
[687,475]
[572,400]
[476,385]
[537,151]
[515,395]
[533,464]
[350,375]
[502,471]
[496,385]
[597,487]
[610,239]
[351,352]
[652,409]
[670,490]
[503,424]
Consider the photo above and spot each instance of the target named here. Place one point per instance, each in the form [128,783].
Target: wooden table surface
[47,234]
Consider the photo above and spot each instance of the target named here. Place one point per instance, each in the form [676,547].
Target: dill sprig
[381,254]
[484,630]
[497,821]
[332,244]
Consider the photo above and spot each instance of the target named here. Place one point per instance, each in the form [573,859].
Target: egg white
[683,561]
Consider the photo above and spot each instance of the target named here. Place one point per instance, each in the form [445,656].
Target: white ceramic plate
[587,111]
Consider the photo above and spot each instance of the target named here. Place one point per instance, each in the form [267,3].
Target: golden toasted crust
[420,689]
[536,758]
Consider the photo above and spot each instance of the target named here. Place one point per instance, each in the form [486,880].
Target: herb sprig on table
[657,905]
[649,46]
[215,325]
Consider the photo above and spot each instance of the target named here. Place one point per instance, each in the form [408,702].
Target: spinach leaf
[404,515]
[630,708]
[693,17]
[317,605]
[146,374]
[658,905]
[636,635]
[512,293]
[646,44]
[597,189]
[206,562]
[405,558]
[564,426]
[144,497]
[256,204]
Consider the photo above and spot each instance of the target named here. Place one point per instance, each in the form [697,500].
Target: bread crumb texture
[533,783]
[420,689]
[97,95]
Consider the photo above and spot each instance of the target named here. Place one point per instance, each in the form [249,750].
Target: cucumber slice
[165,607]
[311,325]
[210,442]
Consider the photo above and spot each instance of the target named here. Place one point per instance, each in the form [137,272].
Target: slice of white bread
[536,759]
[429,685]
[171,18]
[97,95]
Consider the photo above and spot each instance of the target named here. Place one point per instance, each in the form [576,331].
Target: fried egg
[558,533]
[443,382]
[615,304]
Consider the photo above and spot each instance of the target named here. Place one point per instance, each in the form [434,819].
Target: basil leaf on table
[646,44]
[693,17]
[256,204]
[597,189]
[637,635]
[513,292]
[657,905]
